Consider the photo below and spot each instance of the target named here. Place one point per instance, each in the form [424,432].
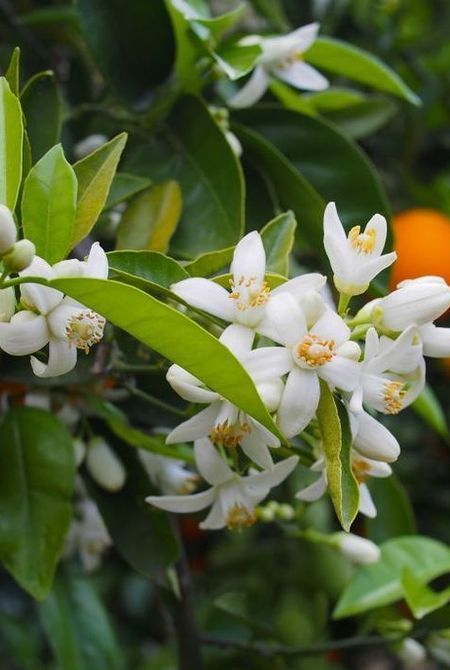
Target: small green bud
[20,256]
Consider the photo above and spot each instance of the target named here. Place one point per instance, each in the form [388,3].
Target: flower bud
[20,256]
[7,303]
[416,301]
[411,652]
[104,466]
[79,449]
[286,512]
[8,230]
[357,549]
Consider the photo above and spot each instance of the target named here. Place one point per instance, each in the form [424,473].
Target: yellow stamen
[394,392]
[361,471]
[314,351]
[363,242]
[239,516]
[249,293]
[85,329]
[229,435]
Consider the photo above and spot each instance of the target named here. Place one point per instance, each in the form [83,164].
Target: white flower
[355,259]
[250,295]
[281,57]
[8,230]
[416,301]
[104,466]
[50,318]
[223,422]
[20,256]
[233,498]
[435,340]
[356,548]
[87,535]
[362,469]
[371,439]
[411,652]
[320,351]
[392,373]
[7,303]
[168,474]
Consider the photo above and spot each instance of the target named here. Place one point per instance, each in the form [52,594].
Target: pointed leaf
[428,407]
[124,186]
[278,238]
[12,74]
[151,271]
[336,444]
[49,205]
[11,141]
[422,600]
[95,173]
[37,473]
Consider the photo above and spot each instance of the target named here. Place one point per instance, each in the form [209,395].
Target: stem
[154,401]
[344,300]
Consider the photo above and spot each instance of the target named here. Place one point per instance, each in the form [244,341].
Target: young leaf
[11,143]
[336,443]
[173,335]
[149,270]
[124,186]
[151,218]
[41,104]
[12,74]
[77,626]
[37,473]
[187,49]
[422,600]
[210,263]
[355,63]
[381,583]
[95,173]
[278,238]
[428,407]
[49,204]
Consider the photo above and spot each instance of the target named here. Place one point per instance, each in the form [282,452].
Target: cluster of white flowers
[382,372]
[44,316]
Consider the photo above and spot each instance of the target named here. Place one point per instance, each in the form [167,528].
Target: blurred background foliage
[108,66]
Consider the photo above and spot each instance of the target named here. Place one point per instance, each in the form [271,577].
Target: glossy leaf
[151,218]
[95,173]
[141,534]
[359,65]
[364,118]
[49,204]
[237,60]
[11,142]
[149,270]
[381,583]
[37,473]
[12,74]
[210,263]
[42,106]
[218,25]
[420,599]
[336,444]
[278,238]
[124,186]
[395,515]
[173,335]
[187,49]
[134,49]
[428,407]
[77,626]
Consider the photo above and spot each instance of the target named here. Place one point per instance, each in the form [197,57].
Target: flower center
[313,351]
[360,470]
[239,516]
[393,394]
[229,435]
[188,485]
[249,293]
[85,329]
[363,242]
[289,60]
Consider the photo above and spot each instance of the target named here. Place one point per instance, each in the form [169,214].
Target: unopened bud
[7,303]
[286,512]
[8,230]
[357,549]
[79,449]
[104,466]
[411,652]
[20,256]
[265,514]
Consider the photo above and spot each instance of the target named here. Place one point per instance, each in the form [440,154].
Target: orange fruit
[422,243]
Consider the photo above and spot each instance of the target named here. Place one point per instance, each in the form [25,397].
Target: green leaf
[187,50]
[151,218]
[197,156]
[173,335]
[42,106]
[77,626]
[336,444]
[364,118]
[11,142]
[395,515]
[359,65]
[278,238]
[381,583]
[237,60]
[37,473]
[12,74]
[151,271]
[218,25]
[334,98]
[124,186]
[428,407]
[133,46]
[95,173]
[141,534]
[49,205]
[420,599]
[210,263]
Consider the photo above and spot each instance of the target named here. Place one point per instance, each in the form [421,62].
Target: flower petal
[436,341]
[270,478]
[189,387]
[7,303]
[209,464]
[299,286]
[373,440]
[342,373]
[252,91]
[305,36]
[199,425]
[41,297]
[366,504]
[206,295]
[330,326]
[96,264]
[62,357]
[249,258]
[372,268]
[400,355]
[257,451]
[216,518]
[303,76]
[298,402]
[284,321]
[24,334]
[238,339]
[372,345]
[183,504]
[379,225]
[268,363]
[314,491]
